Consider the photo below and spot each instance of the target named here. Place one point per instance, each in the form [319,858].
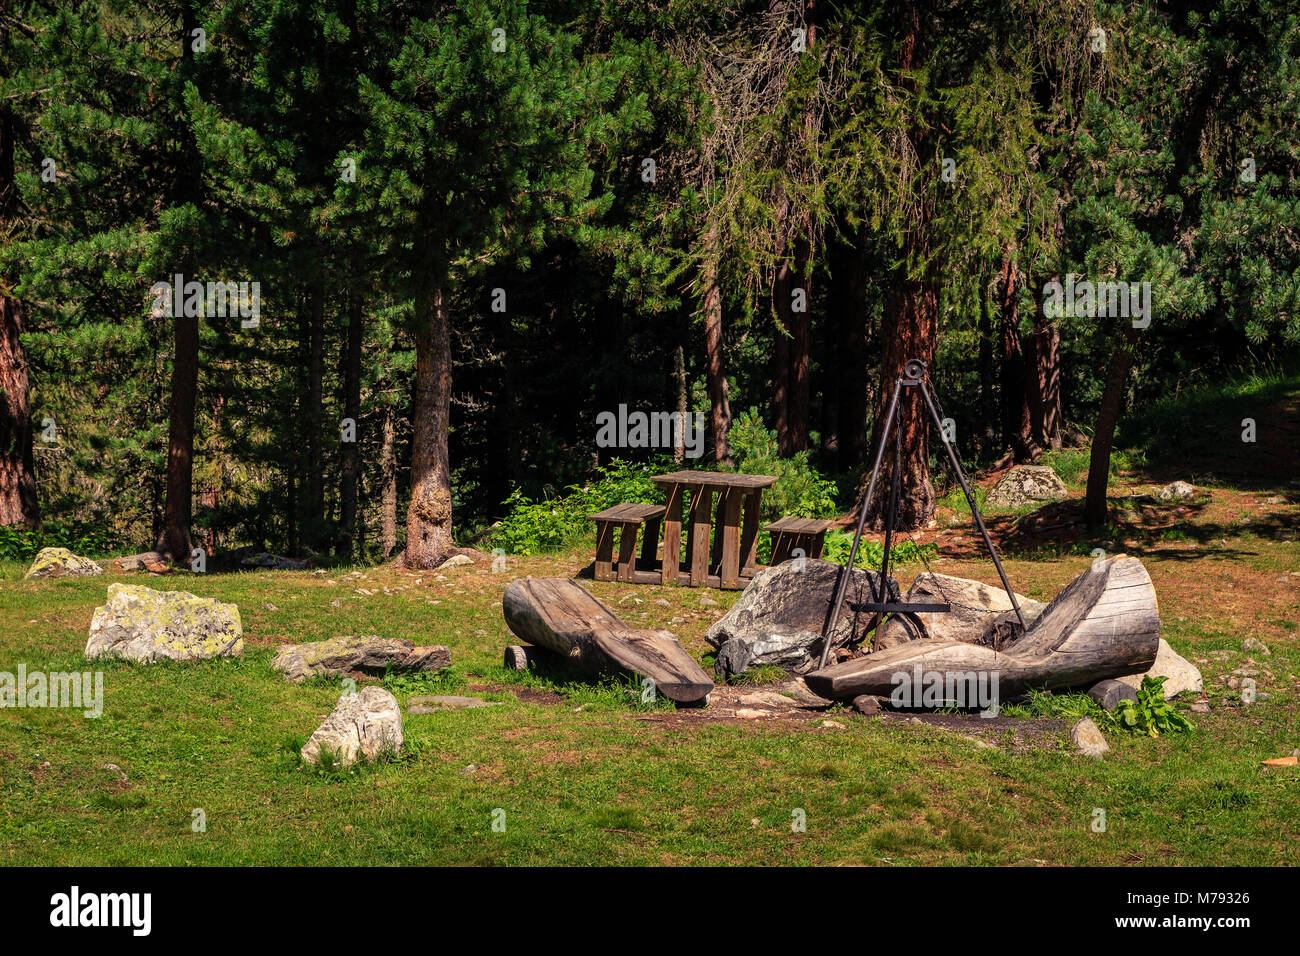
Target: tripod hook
[914,370]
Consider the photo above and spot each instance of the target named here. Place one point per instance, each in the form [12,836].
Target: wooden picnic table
[730,562]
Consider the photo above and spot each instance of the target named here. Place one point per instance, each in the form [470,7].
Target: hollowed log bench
[789,534]
[628,518]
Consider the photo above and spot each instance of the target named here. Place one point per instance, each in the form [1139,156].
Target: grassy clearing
[588,774]
[585,774]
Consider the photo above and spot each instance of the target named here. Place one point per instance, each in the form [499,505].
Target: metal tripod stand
[913,377]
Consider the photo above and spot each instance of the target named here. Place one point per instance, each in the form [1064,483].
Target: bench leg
[604,570]
[730,535]
[650,542]
[749,534]
[672,535]
[782,543]
[701,503]
[627,554]
[818,542]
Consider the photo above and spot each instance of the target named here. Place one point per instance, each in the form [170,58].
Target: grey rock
[433,705]
[456,561]
[362,726]
[1176,491]
[141,624]
[1026,484]
[1253,645]
[1108,693]
[1201,707]
[1182,674]
[1088,739]
[779,617]
[368,653]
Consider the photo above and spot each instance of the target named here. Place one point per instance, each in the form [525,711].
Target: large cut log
[1104,624]
[559,615]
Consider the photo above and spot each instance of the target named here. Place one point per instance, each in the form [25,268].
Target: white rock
[1181,673]
[1087,737]
[363,726]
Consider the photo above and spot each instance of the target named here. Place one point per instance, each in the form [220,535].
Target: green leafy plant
[1152,714]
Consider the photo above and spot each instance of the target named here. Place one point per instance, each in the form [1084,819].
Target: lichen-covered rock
[980,613]
[1026,484]
[368,653]
[779,618]
[61,563]
[141,624]
[1180,673]
[364,725]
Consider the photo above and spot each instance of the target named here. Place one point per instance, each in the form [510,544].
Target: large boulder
[369,654]
[981,613]
[364,725]
[141,624]
[780,617]
[1027,484]
[61,563]
[1180,673]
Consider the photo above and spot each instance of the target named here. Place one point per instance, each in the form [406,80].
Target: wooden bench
[805,534]
[628,518]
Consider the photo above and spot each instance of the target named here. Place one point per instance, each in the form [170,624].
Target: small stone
[1201,707]
[456,561]
[1088,738]
[1176,491]
[469,770]
[434,705]
[661,602]
[764,698]
[748,713]
[708,602]
[1253,645]
[832,725]
[114,768]
[270,607]
[866,704]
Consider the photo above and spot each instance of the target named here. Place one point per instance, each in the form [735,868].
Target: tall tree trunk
[210,495]
[351,451]
[988,405]
[1016,428]
[18,503]
[846,354]
[1044,364]
[388,495]
[911,324]
[178,504]
[1103,438]
[679,386]
[428,519]
[715,357]
[911,330]
[315,322]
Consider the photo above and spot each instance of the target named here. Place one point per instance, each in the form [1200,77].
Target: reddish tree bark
[428,519]
[18,503]
[715,359]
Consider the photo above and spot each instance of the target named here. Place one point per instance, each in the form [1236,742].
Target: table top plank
[723,479]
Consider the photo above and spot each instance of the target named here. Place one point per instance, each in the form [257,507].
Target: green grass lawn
[586,776]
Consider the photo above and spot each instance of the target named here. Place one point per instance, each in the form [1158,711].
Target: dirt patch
[529,695]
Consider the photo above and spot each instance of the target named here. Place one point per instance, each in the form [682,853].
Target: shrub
[800,490]
[82,538]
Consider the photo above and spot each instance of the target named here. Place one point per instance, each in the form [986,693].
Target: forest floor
[588,775]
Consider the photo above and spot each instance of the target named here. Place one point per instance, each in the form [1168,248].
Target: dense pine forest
[355,279]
